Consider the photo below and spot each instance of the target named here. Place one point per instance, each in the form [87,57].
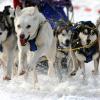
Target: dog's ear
[17,11]
[32,10]
[36,9]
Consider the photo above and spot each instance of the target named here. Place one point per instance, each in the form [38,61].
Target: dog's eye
[63,34]
[28,26]
[18,26]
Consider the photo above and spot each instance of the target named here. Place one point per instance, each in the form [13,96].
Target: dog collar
[33,46]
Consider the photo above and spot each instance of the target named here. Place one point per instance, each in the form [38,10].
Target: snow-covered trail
[50,89]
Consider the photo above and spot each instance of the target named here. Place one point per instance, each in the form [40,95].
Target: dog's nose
[0,33]
[67,42]
[22,36]
[88,41]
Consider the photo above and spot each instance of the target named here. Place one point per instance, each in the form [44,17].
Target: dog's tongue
[23,42]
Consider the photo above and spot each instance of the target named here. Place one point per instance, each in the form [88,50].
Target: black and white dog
[85,45]
[82,38]
[7,39]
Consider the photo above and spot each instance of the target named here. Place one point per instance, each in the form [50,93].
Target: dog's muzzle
[24,40]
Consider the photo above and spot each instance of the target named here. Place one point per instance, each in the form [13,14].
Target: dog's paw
[73,73]
[22,72]
[94,72]
[6,78]
[36,86]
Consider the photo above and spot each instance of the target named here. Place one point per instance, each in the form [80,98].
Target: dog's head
[85,32]
[3,30]
[64,36]
[26,23]
[9,14]
[6,22]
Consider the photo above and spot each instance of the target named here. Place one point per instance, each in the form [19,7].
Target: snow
[71,88]
[83,15]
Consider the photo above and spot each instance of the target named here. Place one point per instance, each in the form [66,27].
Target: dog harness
[89,52]
[33,46]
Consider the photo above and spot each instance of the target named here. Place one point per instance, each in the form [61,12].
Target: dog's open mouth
[24,41]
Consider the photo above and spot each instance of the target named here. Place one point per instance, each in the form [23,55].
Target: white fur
[45,41]
[80,57]
[3,36]
[83,38]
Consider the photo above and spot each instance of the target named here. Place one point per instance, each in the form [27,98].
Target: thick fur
[77,36]
[84,34]
[27,22]
[7,39]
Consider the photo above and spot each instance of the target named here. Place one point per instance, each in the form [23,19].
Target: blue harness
[33,46]
[89,52]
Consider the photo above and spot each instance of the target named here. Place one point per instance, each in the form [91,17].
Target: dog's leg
[10,62]
[51,62]
[83,69]
[96,65]
[74,64]
[52,55]
[57,66]
[22,62]
[33,62]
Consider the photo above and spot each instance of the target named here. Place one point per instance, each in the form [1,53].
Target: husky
[7,39]
[86,46]
[64,54]
[35,39]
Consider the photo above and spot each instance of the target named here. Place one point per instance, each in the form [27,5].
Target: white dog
[33,30]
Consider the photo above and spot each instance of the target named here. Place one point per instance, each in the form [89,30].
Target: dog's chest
[88,52]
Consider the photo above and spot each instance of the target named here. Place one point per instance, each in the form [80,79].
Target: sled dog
[7,39]
[85,44]
[35,39]
[64,45]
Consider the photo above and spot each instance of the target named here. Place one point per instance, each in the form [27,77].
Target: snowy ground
[50,89]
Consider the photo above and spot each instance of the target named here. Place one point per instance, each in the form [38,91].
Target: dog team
[26,33]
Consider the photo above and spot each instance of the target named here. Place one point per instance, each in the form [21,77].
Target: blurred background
[83,9]
[86,9]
